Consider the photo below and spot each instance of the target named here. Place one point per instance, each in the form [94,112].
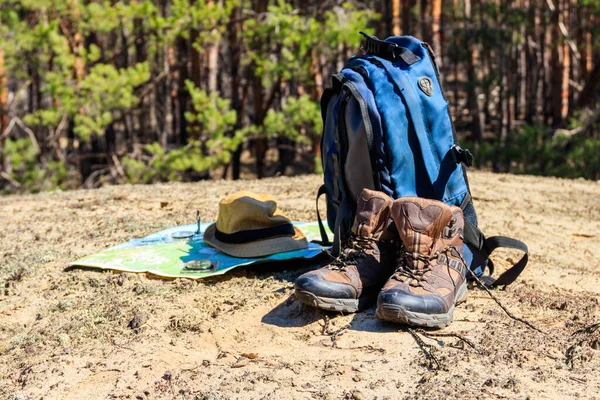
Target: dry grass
[87,334]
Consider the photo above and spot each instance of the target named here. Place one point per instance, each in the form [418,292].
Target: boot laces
[405,273]
[354,251]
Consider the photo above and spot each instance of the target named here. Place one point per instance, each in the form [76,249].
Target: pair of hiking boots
[405,253]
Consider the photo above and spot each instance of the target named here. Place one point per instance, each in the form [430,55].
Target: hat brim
[257,248]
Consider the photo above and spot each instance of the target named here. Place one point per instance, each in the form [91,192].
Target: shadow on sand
[291,313]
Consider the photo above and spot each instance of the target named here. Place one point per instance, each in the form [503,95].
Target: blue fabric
[412,131]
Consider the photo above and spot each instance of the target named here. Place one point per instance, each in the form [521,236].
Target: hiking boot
[430,276]
[353,280]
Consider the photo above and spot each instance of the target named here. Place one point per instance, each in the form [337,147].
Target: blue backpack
[387,127]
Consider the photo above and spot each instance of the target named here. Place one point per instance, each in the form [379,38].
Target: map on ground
[181,252]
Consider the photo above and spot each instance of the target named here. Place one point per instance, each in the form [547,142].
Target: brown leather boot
[353,280]
[430,278]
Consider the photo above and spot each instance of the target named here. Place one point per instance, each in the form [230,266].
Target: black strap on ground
[478,243]
[324,238]
[388,50]
[508,276]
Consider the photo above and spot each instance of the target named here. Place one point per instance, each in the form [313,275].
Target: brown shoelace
[354,250]
[404,273]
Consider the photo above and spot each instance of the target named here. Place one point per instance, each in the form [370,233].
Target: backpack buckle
[460,155]
[388,50]
[394,52]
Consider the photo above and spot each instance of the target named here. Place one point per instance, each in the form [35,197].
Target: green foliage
[26,170]
[22,154]
[593,3]
[104,91]
[299,120]
[158,166]
[283,44]
[537,150]
[212,142]
[584,157]
[342,25]
[212,115]
[75,68]
[94,101]
[285,34]
[318,163]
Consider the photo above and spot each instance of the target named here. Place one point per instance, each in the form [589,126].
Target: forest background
[95,92]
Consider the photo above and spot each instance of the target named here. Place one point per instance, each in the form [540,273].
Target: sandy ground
[83,334]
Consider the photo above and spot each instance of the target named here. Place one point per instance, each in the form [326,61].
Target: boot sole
[340,305]
[396,313]
[367,298]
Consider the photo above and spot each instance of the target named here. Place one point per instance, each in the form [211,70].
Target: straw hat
[250,225]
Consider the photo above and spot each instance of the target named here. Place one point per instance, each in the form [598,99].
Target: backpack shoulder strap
[324,238]
[344,212]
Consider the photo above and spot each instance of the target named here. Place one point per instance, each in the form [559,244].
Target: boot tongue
[420,224]
[372,214]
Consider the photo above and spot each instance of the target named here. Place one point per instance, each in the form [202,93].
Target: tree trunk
[317,93]
[424,22]
[521,97]
[454,58]
[386,22]
[556,66]
[213,56]
[236,101]
[477,116]
[140,45]
[260,108]
[587,94]
[405,16]
[396,30]
[78,75]
[546,53]
[512,78]
[4,162]
[566,66]
[589,47]
[183,96]
[531,64]
[163,90]
[485,71]
[436,32]
[173,108]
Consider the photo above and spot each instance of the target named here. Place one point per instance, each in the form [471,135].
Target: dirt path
[70,335]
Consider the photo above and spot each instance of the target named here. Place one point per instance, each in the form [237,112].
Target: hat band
[255,234]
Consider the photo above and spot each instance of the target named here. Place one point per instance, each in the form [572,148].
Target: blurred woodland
[95,92]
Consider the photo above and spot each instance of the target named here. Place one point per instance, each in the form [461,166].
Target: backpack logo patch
[426,85]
